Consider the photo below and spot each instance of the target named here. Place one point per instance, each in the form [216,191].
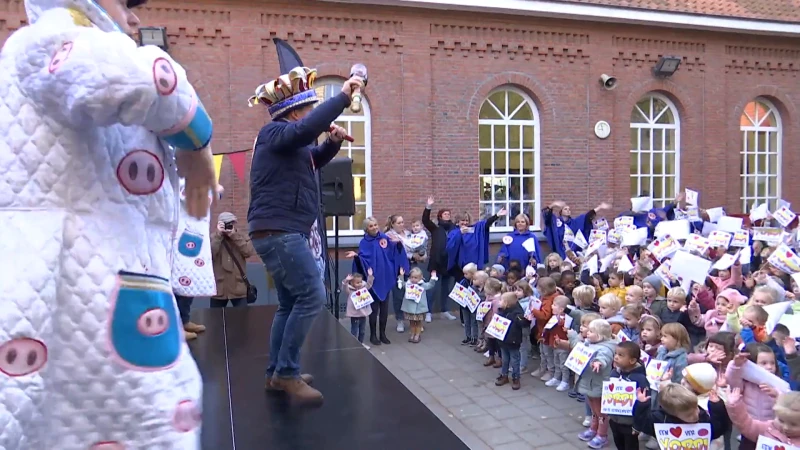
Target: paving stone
[499,435]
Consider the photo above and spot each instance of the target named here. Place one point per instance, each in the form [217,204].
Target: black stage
[365,407]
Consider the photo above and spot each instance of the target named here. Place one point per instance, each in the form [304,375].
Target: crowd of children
[712,333]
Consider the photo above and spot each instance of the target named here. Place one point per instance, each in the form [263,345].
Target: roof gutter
[597,13]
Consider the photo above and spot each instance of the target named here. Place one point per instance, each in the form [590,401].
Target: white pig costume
[91,349]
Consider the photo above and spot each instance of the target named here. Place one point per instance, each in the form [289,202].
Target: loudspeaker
[338,198]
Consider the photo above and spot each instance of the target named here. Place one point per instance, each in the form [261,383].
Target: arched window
[761,154]
[357,126]
[655,149]
[508,144]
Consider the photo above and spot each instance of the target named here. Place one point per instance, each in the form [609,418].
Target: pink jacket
[495,306]
[712,321]
[735,280]
[758,403]
[351,308]
[752,428]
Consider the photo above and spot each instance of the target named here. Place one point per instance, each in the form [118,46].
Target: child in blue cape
[559,224]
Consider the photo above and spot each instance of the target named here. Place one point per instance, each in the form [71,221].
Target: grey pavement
[451,381]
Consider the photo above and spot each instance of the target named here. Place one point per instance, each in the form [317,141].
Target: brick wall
[430,71]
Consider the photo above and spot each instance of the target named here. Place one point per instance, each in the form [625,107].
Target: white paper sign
[687,266]
[459,295]
[672,436]
[730,224]
[624,265]
[655,370]
[664,247]
[498,327]
[726,261]
[641,204]
[741,238]
[600,224]
[765,443]
[784,216]
[635,237]
[579,358]
[414,292]
[622,222]
[597,235]
[714,214]
[580,240]
[785,259]
[692,197]
[697,243]
[756,374]
[529,245]
[618,397]
[720,238]
[483,309]
[678,229]
[361,298]
[759,212]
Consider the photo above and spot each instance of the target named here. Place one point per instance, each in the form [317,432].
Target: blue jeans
[510,355]
[301,295]
[470,324]
[445,285]
[184,307]
[357,327]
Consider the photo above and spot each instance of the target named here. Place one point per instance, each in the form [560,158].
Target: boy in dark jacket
[627,367]
[676,404]
[509,347]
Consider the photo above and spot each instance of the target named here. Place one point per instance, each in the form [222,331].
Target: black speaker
[338,198]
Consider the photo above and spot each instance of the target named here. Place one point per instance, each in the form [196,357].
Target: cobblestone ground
[451,381]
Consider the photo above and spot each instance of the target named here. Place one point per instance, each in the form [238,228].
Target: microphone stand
[337,290]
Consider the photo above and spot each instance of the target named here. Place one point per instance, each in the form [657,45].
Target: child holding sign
[354,283]
[415,303]
[492,289]
[511,310]
[548,292]
[556,328]
[590,382]
[627,368]
[784,428]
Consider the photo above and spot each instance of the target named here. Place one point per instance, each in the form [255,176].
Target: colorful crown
[288,92]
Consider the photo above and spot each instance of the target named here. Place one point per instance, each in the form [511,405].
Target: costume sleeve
[325,152]
[426,220]
[98,79]
[502,256]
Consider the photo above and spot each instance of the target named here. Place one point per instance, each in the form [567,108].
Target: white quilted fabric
[89,358]
[192,272]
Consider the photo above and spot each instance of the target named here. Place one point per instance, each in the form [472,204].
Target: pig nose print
[22,356]
[153,322]
[140,172]
[185,281]
[107,445]
[191,245]
[60,56]
[187,416]
[164,76]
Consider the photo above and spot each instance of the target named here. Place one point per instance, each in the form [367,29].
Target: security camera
[608,82]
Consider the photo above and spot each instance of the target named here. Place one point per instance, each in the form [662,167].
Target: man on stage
[284,204]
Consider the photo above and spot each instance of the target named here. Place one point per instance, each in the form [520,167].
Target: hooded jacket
[91,126]
[590,383]
[516,315]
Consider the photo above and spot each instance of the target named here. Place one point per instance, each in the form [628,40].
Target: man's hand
[197,168]
[352,84]
[221,228]
[337,134]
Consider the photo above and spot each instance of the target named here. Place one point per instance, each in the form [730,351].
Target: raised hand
[596,366]
[430,200]
[740,359]
[769,390]
[433,274]
[369,272]
[641,395]
[789,346]
[503,212]
[348,278]
[734,396]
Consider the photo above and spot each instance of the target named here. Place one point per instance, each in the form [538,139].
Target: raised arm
[98,79]
[292,135]
[426,216]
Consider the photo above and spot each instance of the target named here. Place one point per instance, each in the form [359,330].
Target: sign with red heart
[618,397]
[672,436]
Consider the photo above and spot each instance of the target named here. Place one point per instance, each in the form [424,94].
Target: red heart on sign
[779,447]
[658,366]
[676,431]
[611,387]
[702,432]
[789,254]
[629,389]
[696,237]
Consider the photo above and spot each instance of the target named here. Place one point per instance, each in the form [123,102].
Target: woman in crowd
[438,258]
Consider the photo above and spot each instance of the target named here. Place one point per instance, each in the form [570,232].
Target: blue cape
[466,248]
[384,260]
[554,229]
[516,252]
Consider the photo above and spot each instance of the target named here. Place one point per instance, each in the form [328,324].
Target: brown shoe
[489,362]
[498,364]
[502,380]
[515,384]
[298,391]
[188,335]
[194,327]
[306,377]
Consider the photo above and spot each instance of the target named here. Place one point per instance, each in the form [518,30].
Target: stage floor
[365,405]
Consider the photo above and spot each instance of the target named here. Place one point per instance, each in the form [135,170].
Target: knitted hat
[733,296]
[655,281]
[499,268]
[702,377]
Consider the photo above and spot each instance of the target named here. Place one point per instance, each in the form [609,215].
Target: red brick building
[480,104]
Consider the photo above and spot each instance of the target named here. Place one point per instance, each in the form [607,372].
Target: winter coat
[647,414]
[758,403]
[752,428]
[590,383]
[677,360]
[516,315]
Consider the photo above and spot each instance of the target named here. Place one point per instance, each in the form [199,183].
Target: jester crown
[288,92]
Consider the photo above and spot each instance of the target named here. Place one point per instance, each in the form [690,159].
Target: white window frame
[536,123]
[652,126]
[745,198]
[355,228]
